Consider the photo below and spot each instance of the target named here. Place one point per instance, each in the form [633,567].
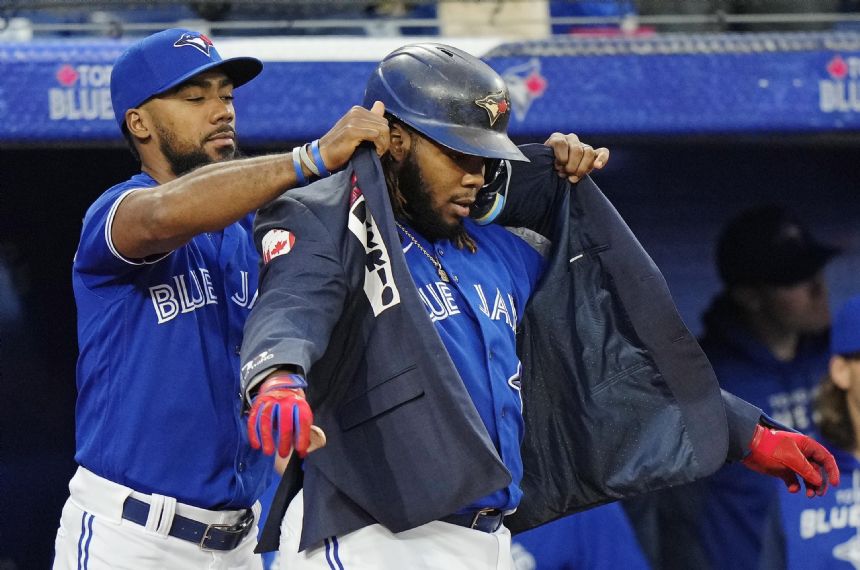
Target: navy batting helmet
[447,95]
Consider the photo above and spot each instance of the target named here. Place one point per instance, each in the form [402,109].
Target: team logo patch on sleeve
[277,242]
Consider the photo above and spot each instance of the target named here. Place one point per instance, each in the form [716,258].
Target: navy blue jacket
[618,397]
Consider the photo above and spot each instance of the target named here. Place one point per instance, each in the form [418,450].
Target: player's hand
[357,126]
[786,454]
[280,405]
[573,158]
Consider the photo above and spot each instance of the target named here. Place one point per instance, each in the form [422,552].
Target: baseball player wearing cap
[459,397]
[164,277]
[824,536]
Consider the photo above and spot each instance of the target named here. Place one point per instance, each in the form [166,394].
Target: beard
[182,161]
[418,206]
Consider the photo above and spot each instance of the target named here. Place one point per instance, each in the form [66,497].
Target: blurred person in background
[799,535]
[766,335]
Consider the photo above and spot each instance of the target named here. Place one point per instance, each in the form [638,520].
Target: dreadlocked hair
[834,419]
[398,200]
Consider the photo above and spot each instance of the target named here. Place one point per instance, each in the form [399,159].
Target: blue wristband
[297,166]
[315,151]
[289,380]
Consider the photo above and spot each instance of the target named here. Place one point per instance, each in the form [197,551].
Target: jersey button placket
[440,253]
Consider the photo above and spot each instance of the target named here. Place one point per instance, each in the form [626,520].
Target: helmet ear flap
[492,168]
[490,200]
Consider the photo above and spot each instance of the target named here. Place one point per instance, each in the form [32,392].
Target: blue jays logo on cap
[197,41]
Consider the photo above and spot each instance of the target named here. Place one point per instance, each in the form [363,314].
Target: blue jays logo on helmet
[495,104]
[197,41]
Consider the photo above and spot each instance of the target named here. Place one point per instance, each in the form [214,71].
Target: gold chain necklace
[442,274]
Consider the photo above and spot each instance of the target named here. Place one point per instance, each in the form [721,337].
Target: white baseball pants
[94,536]
[433,546]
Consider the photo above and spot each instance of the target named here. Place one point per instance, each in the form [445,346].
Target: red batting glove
[281,401]
[786,454]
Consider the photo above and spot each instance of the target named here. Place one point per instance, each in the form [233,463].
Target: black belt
[206,536]
[485,520]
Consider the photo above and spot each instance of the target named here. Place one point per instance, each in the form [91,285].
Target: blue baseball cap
[845,333]
[163,60]
[768,245]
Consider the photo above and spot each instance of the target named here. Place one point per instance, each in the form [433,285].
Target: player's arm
[302,293]
[766,447]
[158,220]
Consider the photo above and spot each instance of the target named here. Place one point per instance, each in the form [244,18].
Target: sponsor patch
[277,242]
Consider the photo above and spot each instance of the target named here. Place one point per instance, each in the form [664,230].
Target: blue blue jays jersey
[476,314]
[818,534]
[159,401]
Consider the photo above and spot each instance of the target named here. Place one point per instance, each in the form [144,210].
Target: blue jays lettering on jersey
[817,535]
[181,306]
[476,314]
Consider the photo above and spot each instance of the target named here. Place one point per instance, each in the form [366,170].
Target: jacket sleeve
[742,418]
[302,291]
[534,193]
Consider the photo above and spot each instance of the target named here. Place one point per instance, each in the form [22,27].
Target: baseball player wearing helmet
[466,384]
[164,277]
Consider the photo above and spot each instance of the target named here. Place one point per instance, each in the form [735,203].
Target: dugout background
[675,194]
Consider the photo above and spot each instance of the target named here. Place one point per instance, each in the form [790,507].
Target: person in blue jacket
[463,385]
[800,535]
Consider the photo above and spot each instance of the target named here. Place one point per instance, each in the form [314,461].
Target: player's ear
[839,372]
[137,124]
[401,142]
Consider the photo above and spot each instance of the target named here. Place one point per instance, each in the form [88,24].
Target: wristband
[285,380]
[297,166]
[315,151]
[306,160]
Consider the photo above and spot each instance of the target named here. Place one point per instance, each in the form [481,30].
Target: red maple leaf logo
[67,76]
[837,68]
[278,247]
[503,106]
